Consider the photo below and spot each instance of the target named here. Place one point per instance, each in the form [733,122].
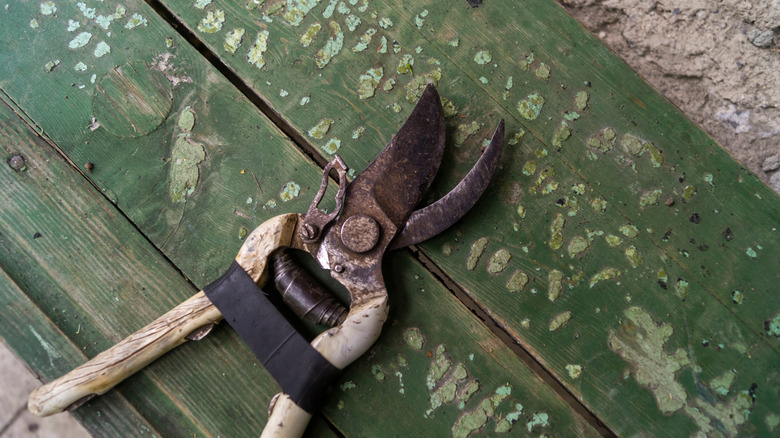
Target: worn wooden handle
[122,360]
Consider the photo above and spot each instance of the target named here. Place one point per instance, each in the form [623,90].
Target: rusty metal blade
[404,170]
[442,214]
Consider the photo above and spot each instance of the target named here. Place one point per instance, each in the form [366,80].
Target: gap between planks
[310,151]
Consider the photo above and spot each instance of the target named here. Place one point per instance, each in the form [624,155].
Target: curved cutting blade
[442,214]
[404,170]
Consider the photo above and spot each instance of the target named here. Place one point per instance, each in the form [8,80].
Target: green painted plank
[81,277]
[127,166]
[605,164]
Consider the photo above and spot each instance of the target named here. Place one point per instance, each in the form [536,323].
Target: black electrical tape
[300,370]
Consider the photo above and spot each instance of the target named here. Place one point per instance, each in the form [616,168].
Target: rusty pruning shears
[374,213]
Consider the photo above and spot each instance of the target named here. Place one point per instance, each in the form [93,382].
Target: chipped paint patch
[296,10]
[483,57]
[101,49]
[772,326]
[233,39]
[603,275]
[476,419]
[368,82]
[477,248]
[554,285]
[581,100]
[652,197]
[499,261]
[516,138]
[47,8]
[51,65]
[440,365]
[575,371]
[543,71]
[364,41]
[332,146]
[320,129]
[560,320]
[505,424]
[358,132]
[201,4]
[613,240]
[85,11]
[186,120]
[185,158]
[290,191]
[556,232]
[633,256]
[640,342]
[529,168]
[539,419]
[211,23]
[332,47]
[525,63]
[138,20]
[419,19]
[464,131]
[310,33]
[722,384]
[577,245]
[385,23]
[629,230]
[256,53]
[414,338]
[33,23]
[531,106]
[80,40]
[415,87]
[73,25]
[405,64]
[80,66]
[517,282]
[352,22]
[561,134]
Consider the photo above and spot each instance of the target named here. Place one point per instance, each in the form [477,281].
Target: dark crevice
[512,343]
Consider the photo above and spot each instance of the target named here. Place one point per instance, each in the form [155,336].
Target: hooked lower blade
[404,170]
[442,214]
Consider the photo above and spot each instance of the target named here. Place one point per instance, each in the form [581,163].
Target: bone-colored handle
[122,360]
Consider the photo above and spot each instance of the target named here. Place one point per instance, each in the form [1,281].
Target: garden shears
[374,213]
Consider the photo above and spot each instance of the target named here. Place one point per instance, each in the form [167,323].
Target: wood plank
[81,277]
[581,197]
[127,167]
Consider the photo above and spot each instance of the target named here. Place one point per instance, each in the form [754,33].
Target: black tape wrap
[301,371]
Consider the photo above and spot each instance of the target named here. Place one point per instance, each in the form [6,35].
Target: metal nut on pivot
[360,233]
[309,232]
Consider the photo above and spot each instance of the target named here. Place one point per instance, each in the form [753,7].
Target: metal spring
[304,295]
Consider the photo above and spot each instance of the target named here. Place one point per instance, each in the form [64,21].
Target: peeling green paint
[185,158]
[439,367]
[483,57]
[772,326]
[554,285]
[604,274]
[414,338]
[305,100]
[256,53]
[405,64]
[531,107]
[560,320]
[543,71]
[358,132]
[477,248]
[521,211]
[571,115]
[477,418]
[640,342]
[581,100]
[347,385]
[751,253]
[633,256]
[722,384]
[656,157]
[539,419]
[525,63]
[320,129]
[517,282]
[499,261]
[389,84]
[416,87]
[186,120]
[505,424]
[332,47]
[233,40]
[561,134]
[577,245]
[201,4]
[290,191]
[296,10]
[419,19]
[464,131]
[368,82]
[598,205]
[332,146]
[650,198]
[681,288]
[376,371]
[80,40]
[689,192]
[308,36]
[211,23]
[51,65]
[455,42]
[365,40]
[80,66]
[483,79]
[47,8]
[449,108]
[629,230]
[385,23]
[85,11]
[101,49]
[556,231]
[575,371]
[633,145]
[529,168]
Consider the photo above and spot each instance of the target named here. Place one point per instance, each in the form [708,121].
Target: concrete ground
[16,382]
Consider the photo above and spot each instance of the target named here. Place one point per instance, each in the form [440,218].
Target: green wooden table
[620,275]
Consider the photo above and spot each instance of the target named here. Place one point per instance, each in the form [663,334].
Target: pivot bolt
[360,233]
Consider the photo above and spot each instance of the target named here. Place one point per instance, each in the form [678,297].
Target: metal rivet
[360,233]
[309,231]
[338,268]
